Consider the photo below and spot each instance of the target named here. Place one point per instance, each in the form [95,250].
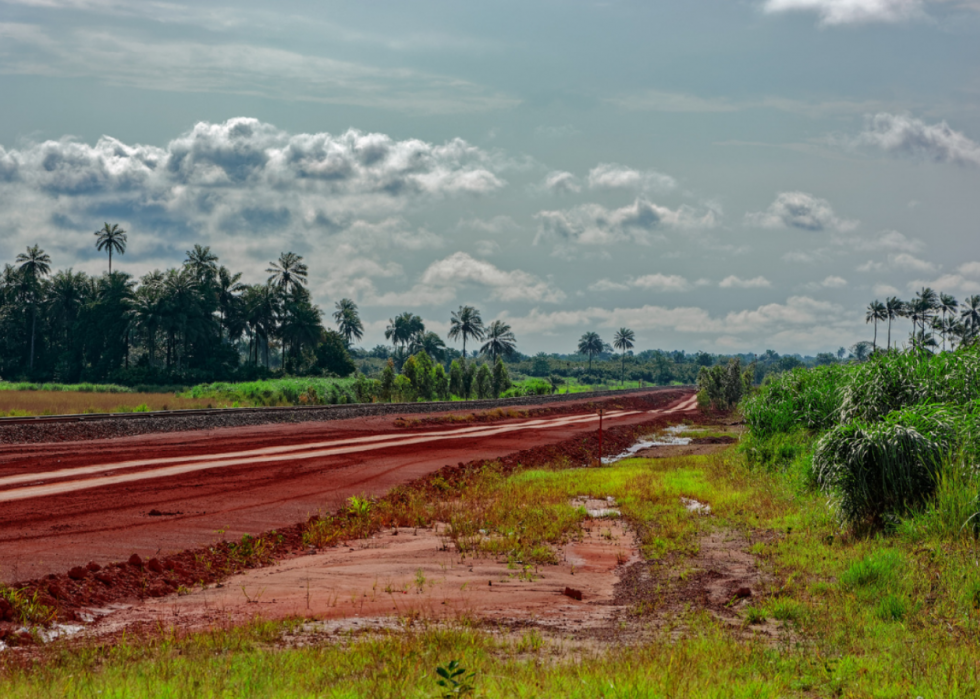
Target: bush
[723,386]
[807,399]
[889,467]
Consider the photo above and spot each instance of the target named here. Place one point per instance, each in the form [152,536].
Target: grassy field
[27,403]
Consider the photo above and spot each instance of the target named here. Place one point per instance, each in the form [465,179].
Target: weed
[454,680]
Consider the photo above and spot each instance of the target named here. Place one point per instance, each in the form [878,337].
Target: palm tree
[895,309]
[301,323]
[147,312]
[288,272]
[261,304]
[464,323]
[230,304]
[970,314]
[66,297]
[947,304]
[623,340]
[348,320]
[876,311]
[112,239]
[34,265]
[926,301]
[500,341]
[430,343]
[203,263]
[591,344]
[403,327]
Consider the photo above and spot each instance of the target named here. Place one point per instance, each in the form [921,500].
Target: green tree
[970,315]
[723,385]
[947,306]
[483,382]
[288,272]
[348,320]
[403,327]
[876,311]
[469,374]
[111,239]
[388,381]
[440,383]
[501,378]
[895,308]
[466,323]
[500,341]
[623,340]
[34,265]
[430,343]
[592,345]
[456,379]
[332,356]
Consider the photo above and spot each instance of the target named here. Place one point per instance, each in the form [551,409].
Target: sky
[718,175]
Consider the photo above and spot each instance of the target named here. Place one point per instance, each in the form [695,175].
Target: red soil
[174,523]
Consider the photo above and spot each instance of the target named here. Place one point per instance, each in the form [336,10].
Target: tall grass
[892,429]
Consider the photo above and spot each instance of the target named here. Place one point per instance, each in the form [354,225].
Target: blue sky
[719,175]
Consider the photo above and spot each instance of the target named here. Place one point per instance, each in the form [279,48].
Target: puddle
[666,438]
[597,508]
[696,506]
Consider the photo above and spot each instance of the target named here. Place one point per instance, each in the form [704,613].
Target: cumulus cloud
[836,12]
[561,182]
[799,210]
[733,282]
[613,176]
[904,135]
[662,282]
[885,241]
[459,269]
[970,269]
[906,261]
[639,222]
[830,282]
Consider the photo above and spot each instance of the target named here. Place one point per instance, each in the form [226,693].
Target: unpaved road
[68,503]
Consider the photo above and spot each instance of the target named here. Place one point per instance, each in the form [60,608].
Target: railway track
[347,409]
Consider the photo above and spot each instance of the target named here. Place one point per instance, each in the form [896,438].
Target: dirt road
[65,504]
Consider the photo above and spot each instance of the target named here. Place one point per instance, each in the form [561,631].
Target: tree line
[938,320]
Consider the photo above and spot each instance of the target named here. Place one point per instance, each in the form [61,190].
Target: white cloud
[835,12]
[905,135]
[661,282]
[947,283]
[799,319]
[885,290]
[870,266]
[885,241]
[125,59]
[833,282]
[800,257]
[608,285]
[906,261]
[733,282]
[799,210]
[459,269]
[614,176]
[970,269]
[639,222]
[561,182]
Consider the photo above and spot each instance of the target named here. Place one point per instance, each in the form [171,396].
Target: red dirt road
[65,504]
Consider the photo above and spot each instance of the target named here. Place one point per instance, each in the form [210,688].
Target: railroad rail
[361,409]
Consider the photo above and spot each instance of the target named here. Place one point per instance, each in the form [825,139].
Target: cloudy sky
[726,175]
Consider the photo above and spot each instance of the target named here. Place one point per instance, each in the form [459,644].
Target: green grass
[275,392]
[76,387]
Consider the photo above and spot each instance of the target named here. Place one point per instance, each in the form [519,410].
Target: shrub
[888,467]
[723,386]
[799,399]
